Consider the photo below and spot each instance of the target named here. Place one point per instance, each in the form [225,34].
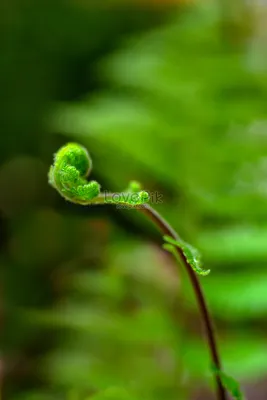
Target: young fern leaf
[191,254]
[134,187]
[72,165]
[230,384]
[129,198]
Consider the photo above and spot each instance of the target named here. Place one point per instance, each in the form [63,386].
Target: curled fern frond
[72,164]
[68,175]
[191,254]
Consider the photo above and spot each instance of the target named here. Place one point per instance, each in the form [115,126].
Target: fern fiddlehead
[72,165]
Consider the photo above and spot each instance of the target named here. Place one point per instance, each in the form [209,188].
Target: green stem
[166,229]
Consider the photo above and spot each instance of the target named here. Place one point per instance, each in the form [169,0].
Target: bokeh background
[171,93]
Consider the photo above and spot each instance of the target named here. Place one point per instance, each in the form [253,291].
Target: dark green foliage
[180,107]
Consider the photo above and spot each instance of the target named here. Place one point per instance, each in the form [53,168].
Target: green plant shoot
[191,254]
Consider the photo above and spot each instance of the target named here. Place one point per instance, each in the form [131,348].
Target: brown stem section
[166,229]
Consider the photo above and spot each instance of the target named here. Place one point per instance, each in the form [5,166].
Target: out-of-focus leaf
[243,356]
[244,297]
[230,384]
[114,393]
[235,244]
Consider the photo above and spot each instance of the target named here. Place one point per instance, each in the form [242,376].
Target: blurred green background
[173,95]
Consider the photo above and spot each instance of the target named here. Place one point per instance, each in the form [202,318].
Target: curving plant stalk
[72,165]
